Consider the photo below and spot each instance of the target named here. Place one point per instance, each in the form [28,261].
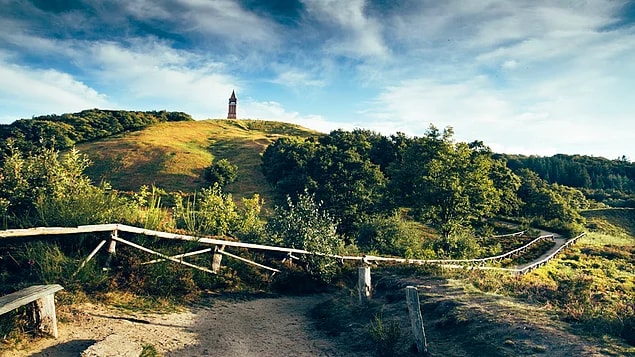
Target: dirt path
[217,327]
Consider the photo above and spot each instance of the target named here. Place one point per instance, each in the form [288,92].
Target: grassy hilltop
[173,155]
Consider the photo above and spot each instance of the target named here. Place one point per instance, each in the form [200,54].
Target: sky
[532,77]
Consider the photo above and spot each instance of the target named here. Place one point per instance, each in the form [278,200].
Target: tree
[304,224]
[221,172]
[45,189]
[336,168]
[450,183]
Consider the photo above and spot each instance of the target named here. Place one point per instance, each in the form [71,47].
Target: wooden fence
[224,242]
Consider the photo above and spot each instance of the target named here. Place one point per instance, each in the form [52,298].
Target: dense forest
[609,181]
[453,186]
[64,131]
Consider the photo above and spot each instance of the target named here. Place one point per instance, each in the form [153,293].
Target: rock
[114,346]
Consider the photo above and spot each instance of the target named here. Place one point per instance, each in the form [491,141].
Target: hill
[173,155]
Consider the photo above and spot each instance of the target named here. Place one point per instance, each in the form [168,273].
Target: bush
[221,172]
[460,245]
[385,336]
[392,235]
[304,225]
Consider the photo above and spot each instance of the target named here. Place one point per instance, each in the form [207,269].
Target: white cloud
[355,33]
[25,92]
[510,64]
[153,72]
[296,78]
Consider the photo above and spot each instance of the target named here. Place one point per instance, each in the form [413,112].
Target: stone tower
[231,114]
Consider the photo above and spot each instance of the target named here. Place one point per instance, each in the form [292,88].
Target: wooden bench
[44,311]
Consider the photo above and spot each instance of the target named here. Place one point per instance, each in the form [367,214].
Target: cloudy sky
[525,76]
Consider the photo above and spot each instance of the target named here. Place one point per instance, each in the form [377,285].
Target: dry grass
[173,155]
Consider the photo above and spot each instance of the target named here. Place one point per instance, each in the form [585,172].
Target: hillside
[172,155]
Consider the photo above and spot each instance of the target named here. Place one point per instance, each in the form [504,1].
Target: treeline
[455,187]
[64,131]
[610,181]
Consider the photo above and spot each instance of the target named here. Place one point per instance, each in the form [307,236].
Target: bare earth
[219,327]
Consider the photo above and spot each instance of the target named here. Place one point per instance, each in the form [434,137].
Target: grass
[173,155]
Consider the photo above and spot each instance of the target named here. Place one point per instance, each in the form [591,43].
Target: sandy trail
[216,327]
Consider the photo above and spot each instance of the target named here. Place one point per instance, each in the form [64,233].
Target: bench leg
[45,317]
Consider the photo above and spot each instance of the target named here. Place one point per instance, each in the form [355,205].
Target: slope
[173,155]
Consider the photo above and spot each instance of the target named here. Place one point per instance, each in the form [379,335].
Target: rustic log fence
[220,244]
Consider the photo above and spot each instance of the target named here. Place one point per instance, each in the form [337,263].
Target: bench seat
[44,298]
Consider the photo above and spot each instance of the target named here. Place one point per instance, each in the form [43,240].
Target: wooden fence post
[363,283]
[416,321]
[112,251]
[217,258]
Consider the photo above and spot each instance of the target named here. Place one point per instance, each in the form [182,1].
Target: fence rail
[227,242]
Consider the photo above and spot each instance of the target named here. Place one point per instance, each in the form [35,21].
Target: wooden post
[112,252]
[45,317]
[217,258]
[416,321]
[363,283]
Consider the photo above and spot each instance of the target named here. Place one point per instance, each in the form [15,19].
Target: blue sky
[527,77]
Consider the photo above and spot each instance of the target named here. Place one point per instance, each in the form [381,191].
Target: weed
[385,336]
[149,351]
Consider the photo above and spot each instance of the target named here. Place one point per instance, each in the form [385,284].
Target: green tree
[393,234]
[303,224]
[550,203]
[45,188]
[337,168]
[222,172]
[451,184]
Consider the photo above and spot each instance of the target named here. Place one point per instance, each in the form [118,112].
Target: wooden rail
[551,256]
[225,241]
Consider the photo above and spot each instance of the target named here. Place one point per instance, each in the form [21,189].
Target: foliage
[391,235]
[46,189]
[385,335]
[150,213]
[451,184]
[580,171]
[611,181]
[48,262]
[458,245]
[551,205]
[222,172]
[303,224]
[212,212]
[336,168]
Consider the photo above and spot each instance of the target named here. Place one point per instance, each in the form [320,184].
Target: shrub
[385,336]
[304,225]
[211,212]
[221,172]
[460,245]
[392,235]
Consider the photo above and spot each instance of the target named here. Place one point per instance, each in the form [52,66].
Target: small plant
[221,172]
[149,351]
[385,336]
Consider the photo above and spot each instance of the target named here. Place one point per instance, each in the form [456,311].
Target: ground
[274,326]
[458,322]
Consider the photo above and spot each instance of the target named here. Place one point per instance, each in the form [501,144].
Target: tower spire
[231,114]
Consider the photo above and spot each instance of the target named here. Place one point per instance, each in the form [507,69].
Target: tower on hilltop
[231,114]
